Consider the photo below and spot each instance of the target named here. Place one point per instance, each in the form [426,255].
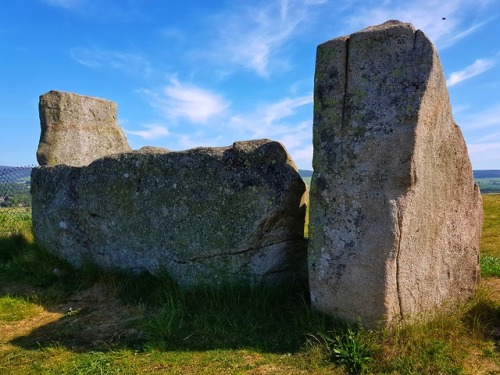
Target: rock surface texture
[203,216]
[77,129]
[395,217]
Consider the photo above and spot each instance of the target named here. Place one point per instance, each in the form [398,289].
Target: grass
[54,319]
[490,240]
[490,266]
[13,309]
[13,219]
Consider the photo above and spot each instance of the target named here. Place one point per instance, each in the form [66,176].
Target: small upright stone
[395,217]
[77,129]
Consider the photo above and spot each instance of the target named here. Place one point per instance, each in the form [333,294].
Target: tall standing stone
[77,129]
[395,217]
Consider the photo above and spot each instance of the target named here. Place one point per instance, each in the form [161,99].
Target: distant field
[489,185]
[490,240]
[486,184]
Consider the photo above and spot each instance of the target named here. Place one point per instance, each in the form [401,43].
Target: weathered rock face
[203,216]
[395,215]
[77,129]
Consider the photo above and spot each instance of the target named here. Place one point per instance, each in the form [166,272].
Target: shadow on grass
[94,311]
[484,317]
[170,318]
[102,311]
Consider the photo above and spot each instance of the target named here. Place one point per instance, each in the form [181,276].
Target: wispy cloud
[485,119]
[488,138]
[481,132]
[179,101]
[286,121]
[154,131]
[285,108]
[266,119]
[66,4]
[172,34]
[126,62]
[477,67]
[111,11]
[302,156]
[198,139]
[484,154]
[249,37]
[442,21]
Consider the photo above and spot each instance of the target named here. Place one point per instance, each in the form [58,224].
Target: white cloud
[173,34]
[198,139]
[297,138]
[302,156]
[281,121]
[285,108]
[458,109]
[266,120]
[452,39]
[479,66]
[287,121]
[154,131]
[179,101]
[484,155]
[481,120]
[249,37]
[129,63]
[426,15]
[489,138]
[66,4]
[109,11]
[293,136]
[481,132]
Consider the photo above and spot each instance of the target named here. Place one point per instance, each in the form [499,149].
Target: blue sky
[208,73]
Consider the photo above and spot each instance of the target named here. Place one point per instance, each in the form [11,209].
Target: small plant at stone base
[345,347]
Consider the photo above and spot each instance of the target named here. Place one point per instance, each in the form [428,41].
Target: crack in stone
[400,235]
[346,70]
[235,272]
[247,250]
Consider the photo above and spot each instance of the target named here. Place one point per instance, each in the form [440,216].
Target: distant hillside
[487,174]
[492,173]
[488,180]
[13,174]
[305,173]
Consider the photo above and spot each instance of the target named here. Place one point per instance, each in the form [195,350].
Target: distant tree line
[487,174]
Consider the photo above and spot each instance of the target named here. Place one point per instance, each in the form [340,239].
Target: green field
[490,240]
[487,185]
[14,219]
[57,320]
